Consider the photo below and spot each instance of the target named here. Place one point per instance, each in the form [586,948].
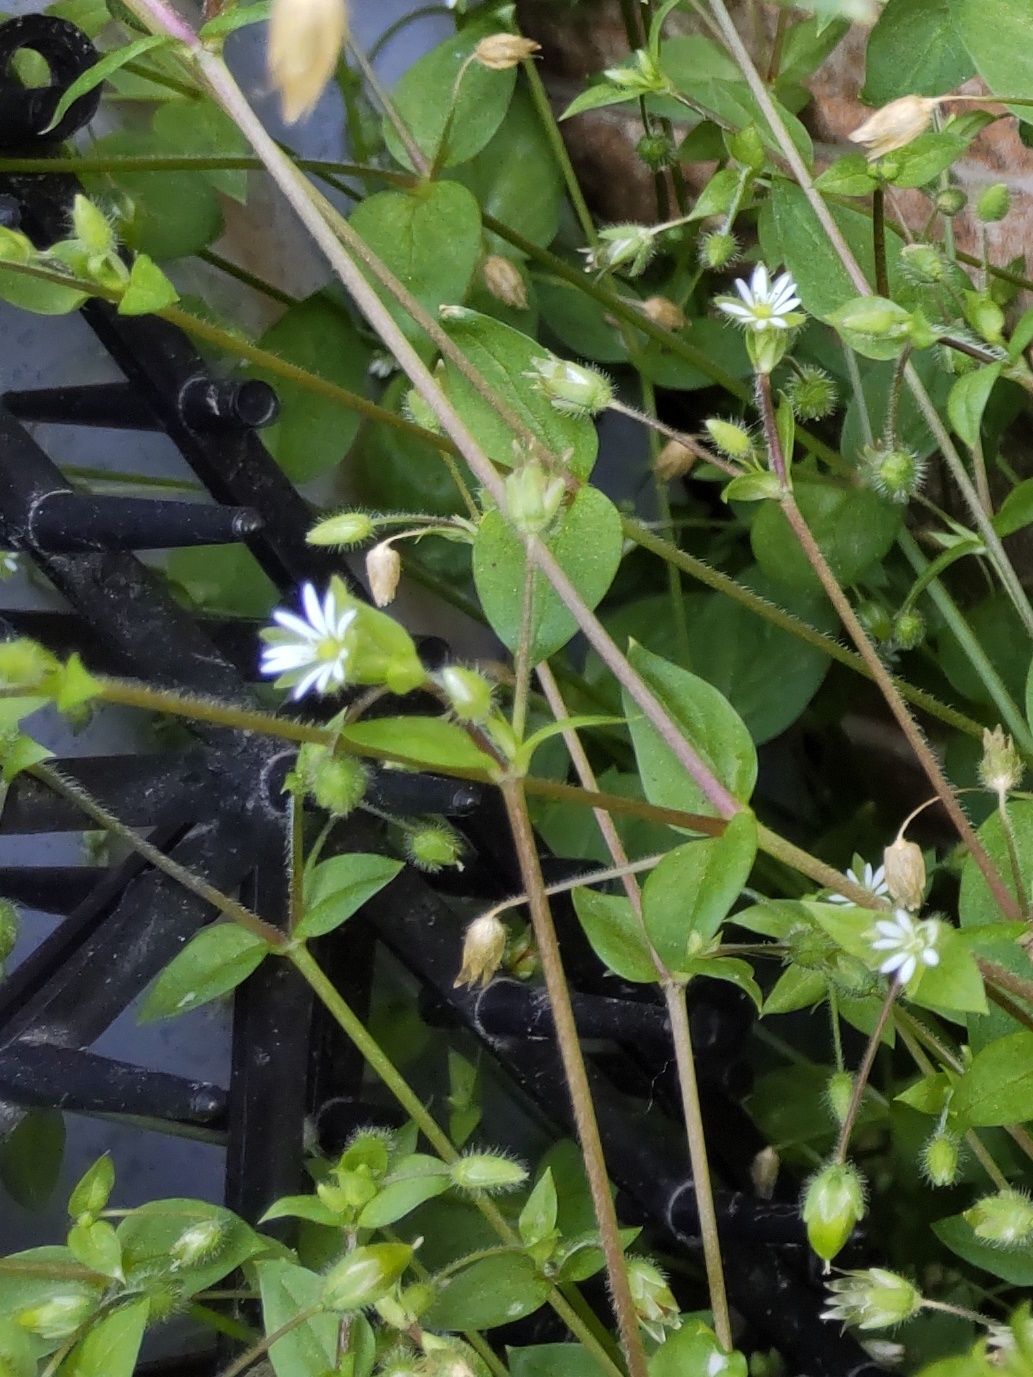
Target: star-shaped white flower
[870,878]
[310,652]
[764,305]
[8,564]
[907,942]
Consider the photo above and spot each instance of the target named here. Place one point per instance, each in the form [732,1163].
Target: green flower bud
[344,530]
[951,200]
[833,1203]
[60,1316]
[812,394]
[908,629]
[24,662]
[1000,769]
[747,147]
[365,1275]
[873,326]
[337,784]
[839,1091]
[622,246]
[468,693]
[923,264]
[641,74]
[654,1302]
[875,620]
[766,348]
[874,1299]
[994,202]
[533,497]
[718,249]
[730,437]
[940,1159]
[433,847]
[414,405]
[1005,1218]
[573,388]
[657,151]
[9,927]
[984,315]
[16,247]
[91,227]
[485,1171]
[198,1243]
[895,474]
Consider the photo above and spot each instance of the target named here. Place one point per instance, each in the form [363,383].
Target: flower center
[329,648]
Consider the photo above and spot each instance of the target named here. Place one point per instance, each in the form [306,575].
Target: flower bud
[1005,1218]
[895,125]
[908,629]
[500,51]
[764,1171]
[994,202]
[23,663]
[832,1204]
[747,147]
[9,927]
[653,1299]
[484,1171]
[60,1316]
[468,693]
[304,42]
[876,621]
[905,873]
[642,75]
[940,1159]
[719,249]
[812,394]
[505,281]
[662,311]
[985,316]
[336,783]
[383,570]
[433,847]
[533,497]
[839,1091]
[198,1243]
[874,1299]
[92,228]
[895,474]
[365,1275]
[923,264]
[951,201]
[873,323]
[674,461]
[414,405]
[657,151]
[484,946]
[629,247]
[344,529]
[730,437]
[1000,769]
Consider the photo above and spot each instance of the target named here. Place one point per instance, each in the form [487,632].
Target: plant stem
[681,1035]
[1011,843]
[882,281]
[522,665]
[543,106]
[772,439]
[864,1071]
[266,1342]
[962,1311]
[576,1076]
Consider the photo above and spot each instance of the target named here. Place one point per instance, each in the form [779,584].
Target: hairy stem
[864,1071]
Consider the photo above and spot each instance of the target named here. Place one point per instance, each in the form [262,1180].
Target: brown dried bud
[503,279]
[905,873]
[305,41]
[483,949]
[662,311]
[674,460]
[1000,769]
[500,51]
[383,569]
[895,125]
[764,1171]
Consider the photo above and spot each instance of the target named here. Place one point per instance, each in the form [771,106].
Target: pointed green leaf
[211,964]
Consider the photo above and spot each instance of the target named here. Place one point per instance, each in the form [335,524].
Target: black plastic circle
[26,112]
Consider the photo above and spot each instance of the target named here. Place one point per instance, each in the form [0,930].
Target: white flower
[907,942]
[8,564]
[872,879]
[311,651]
[765,305]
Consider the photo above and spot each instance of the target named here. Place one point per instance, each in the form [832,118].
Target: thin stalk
[681,1035]
[663,501]
[1011,843]
[864,1071]
[246,279]
[543,107]
[669,433]
[522,666]
[882,281]
[266,1342]
[576,1077]
[962,1311]
[388,106]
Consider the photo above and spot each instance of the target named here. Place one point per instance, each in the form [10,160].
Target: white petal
[888,928]
[894,962]
[777,323]
[281,659]
[907,970]
[760,283]
[735,308]
[294,624]
[878,879]
[344,621]
[744,291]
[304,684]
[931,957]
[310,602]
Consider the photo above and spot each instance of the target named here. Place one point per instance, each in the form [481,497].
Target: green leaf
[706,720]
[147,290]
[314,433]
[687,897]
[552,1360]
[308,1207]
[925,158]
[502,356]
[197,128]
[1002,49]
[91,1192]
[796,988]
[581,323]
[1014,1264]
[430,238]
[955,983]
[997,1088]
[31,1156]
[398,1198]
[854,527]
[915,49]
[694,1349]
[223,578]
[28,1289]
[93,76]
[16,1350]
[967,401]
[339,887]
[424,99]
[310,1350]
[976,903]
[96,1247]
[33,294]
[1016,511]
[430,741]
[112,1346]
[851,175]
[538,1217]
[728,968]
[148,1234]
[234,18]
[586,540]
[211,964]
[495,1290]
[597,97]
[20,754]
[614,934]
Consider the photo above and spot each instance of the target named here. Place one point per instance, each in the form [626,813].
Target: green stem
[241,275]
[266,1342]
[882,281]
[864,1071]
[522,665]
[543,106]
[1011,842]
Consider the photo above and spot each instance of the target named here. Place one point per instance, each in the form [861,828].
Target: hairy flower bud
[940,1159]
[1000,769]
[657,151]
[994,202]
[812,394]
[344,529]
[505,281]
[908,629]
[1005,1218]
[60,1316]
[500,51]
[730,437]
[923,264]
[364,1275]
[833,1203]
[468,693]
[201,1241]
[905,873]
[654,1302]
[573,388]
[875,619]
[533,497]
[839,1091]
[484,946]
[415,406]
[951,201]
[92,228]
[433,847]
[383,570]
[674,461]
[305,40]
[641,75]
[895,125]
[718,249]
[662,311]
[874,1299]
[336,783]
[486,1171]
[895,473]
[629,247]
